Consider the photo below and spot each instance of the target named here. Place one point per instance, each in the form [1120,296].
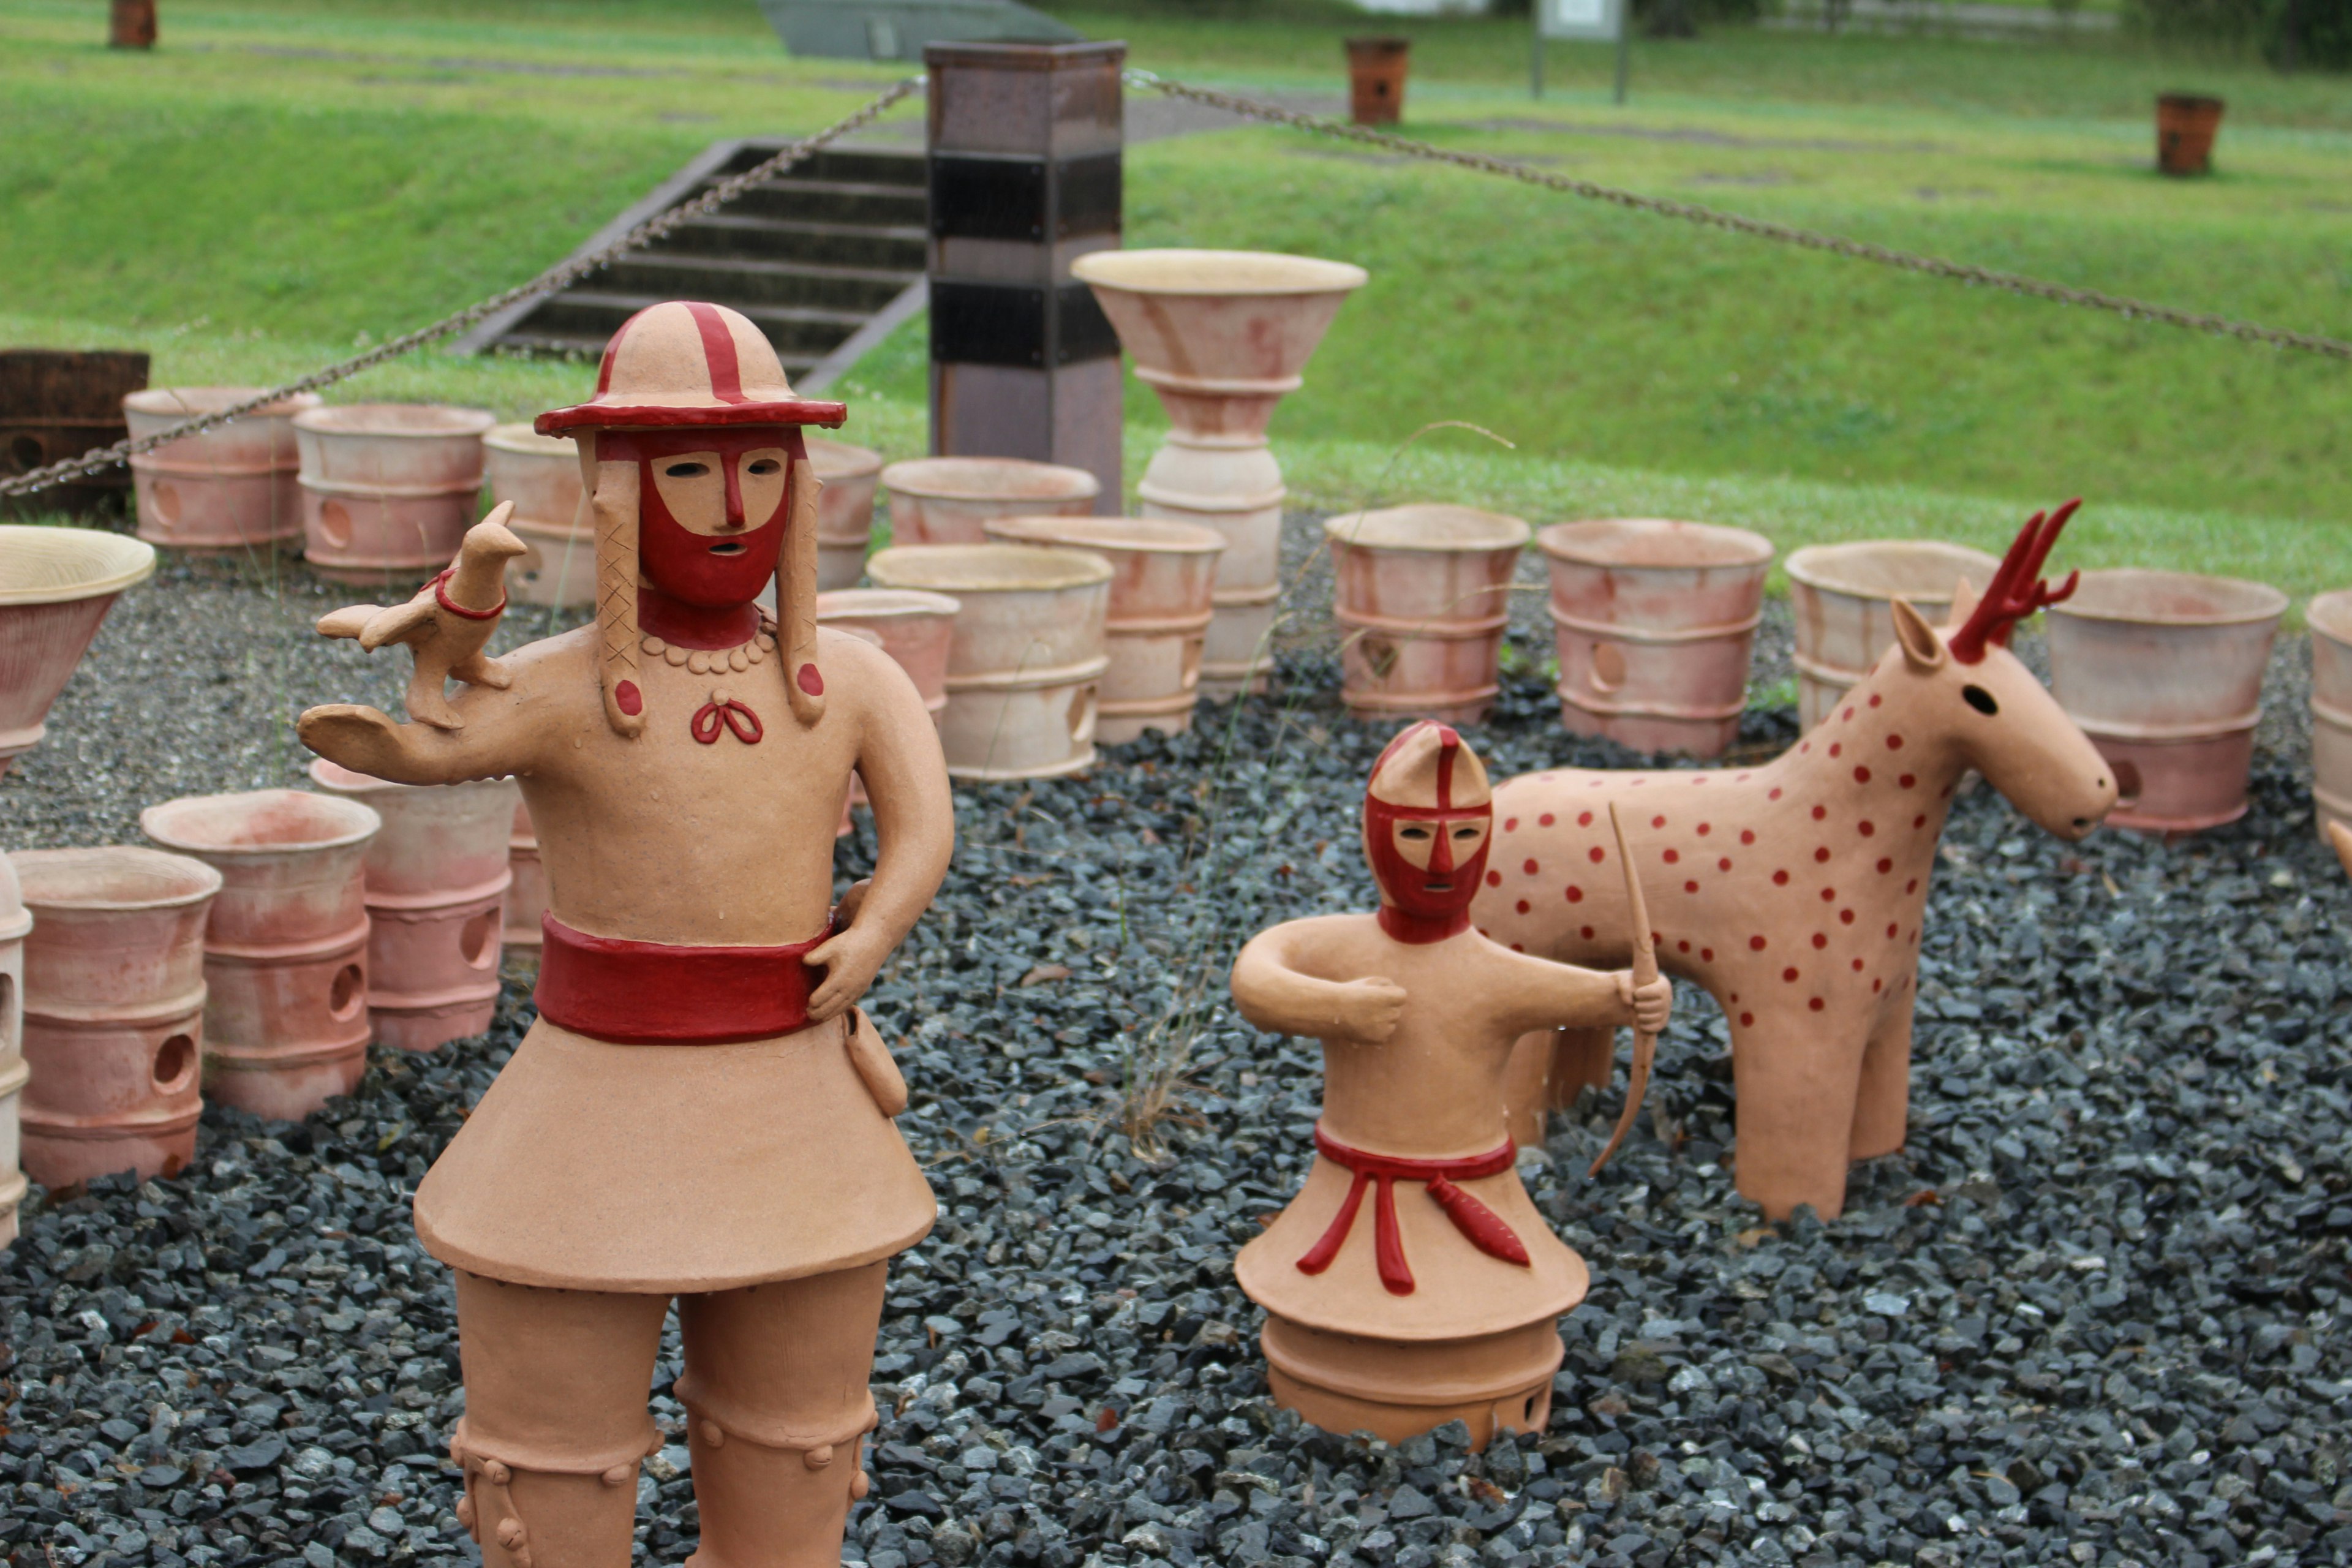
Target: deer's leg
[1526,1102]
[1795,1083]
[1579,1057]
[1882,1105]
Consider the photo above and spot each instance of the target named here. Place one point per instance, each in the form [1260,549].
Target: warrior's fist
[1368,1010]
[1651,1004]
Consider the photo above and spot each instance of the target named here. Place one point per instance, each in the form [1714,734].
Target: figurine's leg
[555,1420]
[777,1406]
[1580,1057]
[1796,1093]
[1882,1109]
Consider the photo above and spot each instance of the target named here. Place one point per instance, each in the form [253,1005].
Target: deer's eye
[686,471]
[1978,698]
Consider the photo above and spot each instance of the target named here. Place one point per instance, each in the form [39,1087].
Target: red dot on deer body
[1894,742]
[1524,906]
[1747,836]
[1823,853]
[1837,748]
[1588,933]
[1845,917]
[1584,819]
[1657,822]
[1804,746]
[1861,776]
[1673,856]
[1775,794]
[1529,867]
[1866,827]
[1494,879]
[1847,714]
[1906,781]
[1724,864]
[1875,700]
[1545,820]
[1705,829]
[1819,940]
[1681,947]
[1748,1020]
[1874,986]
[1597,854]
[1820,812]
[1518,947]
[1829,895]
[1790,974]
[1756,944]
[1575,895]
[1919,821]
[1510,824]
[1884,864]
[1857,966]
[1779,878]
[1690,886]
[1707,955]
[1891,929]
[1912,886]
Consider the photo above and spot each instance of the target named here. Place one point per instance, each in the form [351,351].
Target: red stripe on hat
[612,352]
[719,354]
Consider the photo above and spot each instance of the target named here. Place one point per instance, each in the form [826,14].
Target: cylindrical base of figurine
[1397,1389]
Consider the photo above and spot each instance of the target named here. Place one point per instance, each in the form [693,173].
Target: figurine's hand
[361,739]
[1651,1004]
[1369,1009]
[850,961]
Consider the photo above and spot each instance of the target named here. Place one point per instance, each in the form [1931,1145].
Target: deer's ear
[1964,603]
[1921,648]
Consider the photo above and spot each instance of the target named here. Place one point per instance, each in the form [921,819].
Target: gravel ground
[2091,1315]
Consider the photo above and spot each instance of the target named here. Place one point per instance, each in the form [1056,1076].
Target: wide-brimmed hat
[686,363]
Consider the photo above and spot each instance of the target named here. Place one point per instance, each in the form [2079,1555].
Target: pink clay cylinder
[845,509]
[1652,621]
[13,923]
[540,474]
[527,895]
[286,1018]
[114,1010]
[948,500]
[56,586]
[2330,619]
[233,487]
[387,488]
[438,877]
[1164,580]
[2164,671]
[915,629]
[1422,595]
[1842,596]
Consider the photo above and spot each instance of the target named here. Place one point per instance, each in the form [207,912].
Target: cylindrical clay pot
[56,586]
[1422,595]
[1221,336]
[2163,670]
[286,1021]
[1844,596]
[2185,124]
[233,487]
[540,474]
[114,1010]
[1163,579]
[845,509]
[948,500]
[388,489]
[2330,616]
[1026,657]
[914,628]
[1651,620]
[436,885]
[14,921]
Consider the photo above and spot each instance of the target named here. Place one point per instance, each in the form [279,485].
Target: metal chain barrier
[1782,233]
[560,275]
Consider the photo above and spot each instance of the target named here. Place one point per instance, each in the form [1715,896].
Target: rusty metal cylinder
[438,877]
[1652,620]
[233,487]
[286,1021]
[13,923]
[845,509]
[114,1010]
[1422,595]
[131,25]
[1842,596]
[388,489]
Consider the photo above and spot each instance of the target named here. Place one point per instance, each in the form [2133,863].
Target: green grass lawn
[280,181]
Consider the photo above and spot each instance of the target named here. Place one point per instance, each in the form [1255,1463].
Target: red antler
[2017,589]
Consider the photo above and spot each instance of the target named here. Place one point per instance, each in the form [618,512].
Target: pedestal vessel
[56,586]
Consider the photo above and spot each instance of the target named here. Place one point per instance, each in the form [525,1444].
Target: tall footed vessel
[1221,336]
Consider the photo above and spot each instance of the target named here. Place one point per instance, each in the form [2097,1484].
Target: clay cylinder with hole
[527,894]
[914,628]
[2163,670]
[948,500]
[1842,598]
[1422,594]
[1026,655]
[540,474]
[1164,575]
[14,921]
[845,509]
[114,1010]
[233,487]
[285,1019]
[388,489]
[438,877]
[1652,620]
[2330,618]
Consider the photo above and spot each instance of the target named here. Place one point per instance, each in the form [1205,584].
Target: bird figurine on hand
[447,624]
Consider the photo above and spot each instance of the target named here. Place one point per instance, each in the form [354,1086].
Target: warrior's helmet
[673,368]
[1429,814]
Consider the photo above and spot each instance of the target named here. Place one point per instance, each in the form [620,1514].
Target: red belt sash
[665,993]
[1483,1227]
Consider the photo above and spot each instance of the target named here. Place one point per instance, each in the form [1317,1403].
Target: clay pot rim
[883,603]
[1583,541]
[2253,602]
[198,881]
[843,459]
[2330,615]
[1217,274]
[2200,101]
[1395,528]
[937,479]
[523,441]
[332,777]
[1150,536]
[397,421]
[113,561]
[1002,568]
[188,402]
[1814,566]
[166,823]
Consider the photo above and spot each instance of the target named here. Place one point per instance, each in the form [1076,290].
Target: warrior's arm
[1537,994]
[499,738]
[906,779]
[1274,982]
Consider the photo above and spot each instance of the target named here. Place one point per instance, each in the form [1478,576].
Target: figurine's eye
[1415,834]
[686,471]
[1978,698]
[764,466]
[1465,833]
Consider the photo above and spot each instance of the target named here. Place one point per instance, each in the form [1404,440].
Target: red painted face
[711,506]
[1429,860]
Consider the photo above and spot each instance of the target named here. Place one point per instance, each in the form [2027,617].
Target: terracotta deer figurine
[1793,891]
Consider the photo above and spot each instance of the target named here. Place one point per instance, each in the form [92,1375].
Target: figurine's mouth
[731,547]
[1437,887]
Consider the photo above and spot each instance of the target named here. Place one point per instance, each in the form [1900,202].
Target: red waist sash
[1483,1227]
[665,993]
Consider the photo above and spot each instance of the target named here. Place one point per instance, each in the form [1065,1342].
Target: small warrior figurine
[699,1112]
[1441,1304]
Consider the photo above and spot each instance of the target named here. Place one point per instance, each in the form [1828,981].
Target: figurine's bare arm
[1275,983]
[497,737]
[1537,994]
[906,779]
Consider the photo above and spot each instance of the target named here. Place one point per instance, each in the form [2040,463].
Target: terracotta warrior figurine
[700,1111]
[1412,1282]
